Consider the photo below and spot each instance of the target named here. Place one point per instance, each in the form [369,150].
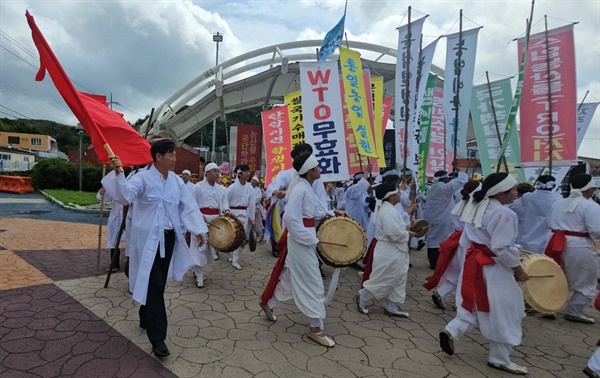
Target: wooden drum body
[420,227]
[342,241]
[226,233]
[546,290]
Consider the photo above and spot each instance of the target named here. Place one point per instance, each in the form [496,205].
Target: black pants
[432,255]
[117,259]
[153,315]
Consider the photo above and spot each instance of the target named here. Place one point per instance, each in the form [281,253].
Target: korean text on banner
[294,102]
[406,90]
[436,161]
[459,94]
[377,92]
[425,133]
[249,146]
[538,98]
[585,112]
[488,139]
[389,147]
[355,95]
[323,119]
[276,131]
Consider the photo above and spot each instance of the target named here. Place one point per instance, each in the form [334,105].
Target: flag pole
[503,159]
[406,79]
[549,81]
[456,95]
[100,227]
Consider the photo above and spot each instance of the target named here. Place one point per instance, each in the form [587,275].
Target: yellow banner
[355,95]
[377,92]
[294,102]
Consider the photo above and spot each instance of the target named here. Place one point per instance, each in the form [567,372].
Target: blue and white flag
[333,38]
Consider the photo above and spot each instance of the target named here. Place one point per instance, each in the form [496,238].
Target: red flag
[102,124]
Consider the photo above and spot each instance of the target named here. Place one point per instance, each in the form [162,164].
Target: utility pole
[217,38]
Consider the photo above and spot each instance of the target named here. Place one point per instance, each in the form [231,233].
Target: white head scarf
[309,164]
[210,167]
[576,196]
[380,202]
[461,205]
[547,185]
[186,171]
[473,212]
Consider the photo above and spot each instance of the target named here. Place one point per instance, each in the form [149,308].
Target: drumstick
[214,225]
[422,228]
[338,244]
[541,276]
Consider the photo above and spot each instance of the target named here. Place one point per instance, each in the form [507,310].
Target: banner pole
[100,226]
[407,92]
[503,158]
[549,81]
[456,96]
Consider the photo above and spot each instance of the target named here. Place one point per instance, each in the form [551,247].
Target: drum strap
[474,290]
[209,211]
[368,261]
[558,241]
[447,250]
[238,207]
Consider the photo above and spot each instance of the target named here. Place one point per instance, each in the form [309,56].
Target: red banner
[549,99]
[249,146]
[435,162]
[276,129]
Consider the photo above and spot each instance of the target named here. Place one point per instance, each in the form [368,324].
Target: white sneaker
[230,259]
[216,257]
[236,266]
[200,283]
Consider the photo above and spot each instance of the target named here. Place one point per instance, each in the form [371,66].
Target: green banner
[484,124]
[425,131]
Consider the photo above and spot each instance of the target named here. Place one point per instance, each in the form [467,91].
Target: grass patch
[73,196]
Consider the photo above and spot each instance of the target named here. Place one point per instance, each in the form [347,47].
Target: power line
[14,111]
[32,100]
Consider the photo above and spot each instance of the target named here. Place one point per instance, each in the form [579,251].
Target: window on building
[4,157]
[14,140]
[26,158]
[36,141]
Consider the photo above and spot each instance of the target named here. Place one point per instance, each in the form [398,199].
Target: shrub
[60,174]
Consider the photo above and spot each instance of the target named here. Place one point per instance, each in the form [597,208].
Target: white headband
[548,185]
[390,172]
[473,212]
[309,164]
[380,202]
[438,178]
[210,167]
[186,172]
[461,204]
[576,196]
[390,193]
[255,178]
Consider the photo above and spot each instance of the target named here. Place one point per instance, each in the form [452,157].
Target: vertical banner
[425,131]
[545,101]
[488,143]
[378,130]
[294,102]
[389,147]
[355,95]
[559,173]
[323,117]
[233,141]
[435,161]
[406,85]
[249,146]
[585,112]
[276,131]
[465,48]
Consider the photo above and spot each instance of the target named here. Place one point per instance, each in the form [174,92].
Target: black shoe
[357,266]
[590,373]
[159,348]
[275,253]
[437,300]
[447,342]
[114,269]
[550,316]
[420,245]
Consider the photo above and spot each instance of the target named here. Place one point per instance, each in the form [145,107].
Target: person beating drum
[240,196]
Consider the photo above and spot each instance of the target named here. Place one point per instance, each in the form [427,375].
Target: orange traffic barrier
[16,184]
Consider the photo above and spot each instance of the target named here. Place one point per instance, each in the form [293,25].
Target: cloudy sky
[143,51]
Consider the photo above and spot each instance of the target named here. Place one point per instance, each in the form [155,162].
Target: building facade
[35,142]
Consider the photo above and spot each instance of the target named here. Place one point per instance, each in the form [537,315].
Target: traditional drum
[226,233]
[342,241]
[252,240]
[420,227]
[546,290]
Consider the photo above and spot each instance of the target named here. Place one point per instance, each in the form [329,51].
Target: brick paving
[56,319]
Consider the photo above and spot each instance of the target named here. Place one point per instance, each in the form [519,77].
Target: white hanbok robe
[239,195]
[502,324]
[356,204]
[580,258]
[259,213]
[207,196]
[301,278]
[390,258]
[370,231]
[154,197]
[519,209]
[534,230]
[189,185]
[437,209]
[452,274]
[115,218]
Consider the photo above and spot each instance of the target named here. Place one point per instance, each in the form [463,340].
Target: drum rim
[345,264]
[239,235]
[525,286]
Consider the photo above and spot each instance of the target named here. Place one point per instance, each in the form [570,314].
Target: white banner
[414,130]
[323,117]
[467,47]
[585,112]
[559,173]
[406,84]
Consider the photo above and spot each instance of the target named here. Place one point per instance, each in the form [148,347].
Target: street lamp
[80,161]
[217,37]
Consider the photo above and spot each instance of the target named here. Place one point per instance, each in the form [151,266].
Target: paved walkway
[56,319]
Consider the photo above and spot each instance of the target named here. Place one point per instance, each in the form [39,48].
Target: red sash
[558,241]
[368,261]
[474,290]
[447,250]
[238,207]
[280,264]
[209,211]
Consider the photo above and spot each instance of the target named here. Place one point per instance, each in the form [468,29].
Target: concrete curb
[72,207]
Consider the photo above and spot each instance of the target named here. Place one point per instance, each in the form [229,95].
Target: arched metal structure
[209,97]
